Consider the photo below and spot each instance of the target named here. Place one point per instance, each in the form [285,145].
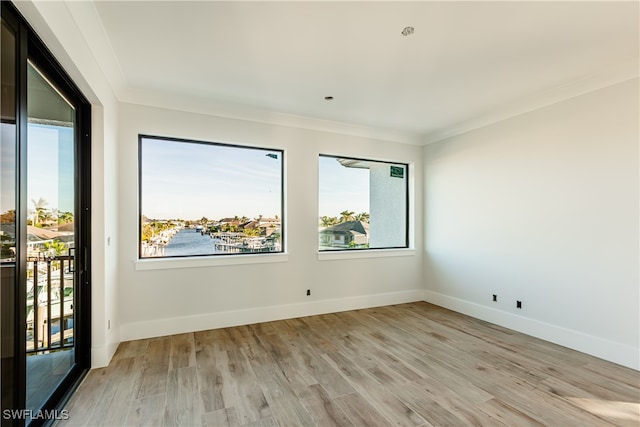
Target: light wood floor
[409,365]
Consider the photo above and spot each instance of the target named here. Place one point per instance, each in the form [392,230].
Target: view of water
[190,242]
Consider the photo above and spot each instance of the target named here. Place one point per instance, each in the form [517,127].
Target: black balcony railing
[50,317]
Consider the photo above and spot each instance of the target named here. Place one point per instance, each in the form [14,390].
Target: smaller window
[363,204]
[200,198]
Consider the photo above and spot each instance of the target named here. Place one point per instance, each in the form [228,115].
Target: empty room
[318,213]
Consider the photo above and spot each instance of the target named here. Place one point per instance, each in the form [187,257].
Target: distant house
[226,223]
[269,221]
[37,238]
[267,227]
[229,221]
[345,234]
[249,225]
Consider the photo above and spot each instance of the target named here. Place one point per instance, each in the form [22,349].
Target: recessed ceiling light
[407,31]
[328,98]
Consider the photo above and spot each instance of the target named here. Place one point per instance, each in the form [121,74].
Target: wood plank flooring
[405,365]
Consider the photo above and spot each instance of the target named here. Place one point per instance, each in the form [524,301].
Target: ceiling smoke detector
[407,31]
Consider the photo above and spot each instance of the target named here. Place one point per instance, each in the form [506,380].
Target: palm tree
[65,217]
[363,216]
[40,207]
[328,221]
[46,217]
[346,216]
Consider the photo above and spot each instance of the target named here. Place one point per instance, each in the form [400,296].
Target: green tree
[147,232]
[252,232]
[363,216]
[328,221]
[159,226]
[40,207]
[58,247]
[46,217]
[65,217]
[229,228]
[346,216]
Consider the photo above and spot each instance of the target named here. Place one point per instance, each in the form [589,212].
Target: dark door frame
[30,47]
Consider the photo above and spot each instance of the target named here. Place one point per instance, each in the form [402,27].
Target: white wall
[543,208]
[55,23]
[164,301]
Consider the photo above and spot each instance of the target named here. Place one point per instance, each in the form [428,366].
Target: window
[201,198]
[363,204]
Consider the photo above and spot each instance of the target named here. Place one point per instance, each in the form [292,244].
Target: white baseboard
[179,325]
[599,347]
[100,356]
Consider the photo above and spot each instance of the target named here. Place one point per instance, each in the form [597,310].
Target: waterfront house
[249,225]
[345,234]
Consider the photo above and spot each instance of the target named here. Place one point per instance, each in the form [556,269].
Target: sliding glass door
[50,275]
[44,217]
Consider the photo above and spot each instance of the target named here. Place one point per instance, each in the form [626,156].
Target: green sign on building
[397,172]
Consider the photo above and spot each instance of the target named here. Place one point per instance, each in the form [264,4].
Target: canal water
[190,242]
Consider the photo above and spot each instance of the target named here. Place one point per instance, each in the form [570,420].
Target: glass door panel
[50,270]
[8,227]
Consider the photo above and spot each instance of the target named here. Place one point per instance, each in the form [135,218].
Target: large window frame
[360,249]
[259,247]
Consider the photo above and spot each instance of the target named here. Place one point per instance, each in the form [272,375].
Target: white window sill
[372,253]
[212,261]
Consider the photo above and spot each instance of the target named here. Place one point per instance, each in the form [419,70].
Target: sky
[182,180]
[7,167]
[50,168]
[341,188]
[193,180]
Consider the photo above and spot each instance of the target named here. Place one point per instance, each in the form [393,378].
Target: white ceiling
[466,65]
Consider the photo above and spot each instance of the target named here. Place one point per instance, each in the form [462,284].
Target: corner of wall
[621,354]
